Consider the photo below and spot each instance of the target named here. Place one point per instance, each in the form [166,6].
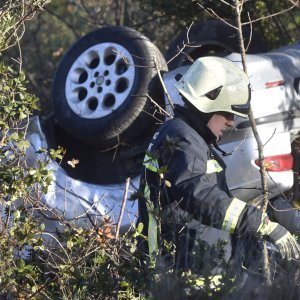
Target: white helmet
[214,84]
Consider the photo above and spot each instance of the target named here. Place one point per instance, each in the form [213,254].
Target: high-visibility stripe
[152,236]
[232,215]
[213,167]
[151,163]
[147,192]
[152,226]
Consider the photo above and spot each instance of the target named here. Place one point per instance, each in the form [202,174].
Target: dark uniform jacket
[182,184]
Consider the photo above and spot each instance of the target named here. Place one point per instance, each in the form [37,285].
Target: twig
[59,243]
[239,145]
[266,265]
[270,137]
[160,108]
[294,4]
[163,85]
[251,32]
[180,50]
[213,14]
[122,207]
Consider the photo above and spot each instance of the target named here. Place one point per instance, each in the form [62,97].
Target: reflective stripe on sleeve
[150,163]
[213,167]
[232,215]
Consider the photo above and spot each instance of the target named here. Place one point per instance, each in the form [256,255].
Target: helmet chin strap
[224,153]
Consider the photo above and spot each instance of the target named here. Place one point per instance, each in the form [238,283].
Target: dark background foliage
[64,21]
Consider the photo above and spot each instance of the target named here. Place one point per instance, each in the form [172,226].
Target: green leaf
[23,145]
[70,244]
[32,171]
[22,76]
[124,284]
[140,227]
[21,263]
[17,214]
[14,136]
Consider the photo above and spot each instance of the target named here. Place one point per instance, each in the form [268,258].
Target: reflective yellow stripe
[213,167]
[147,192]
[150,163]
[152,236]
[152,225]
[232,214]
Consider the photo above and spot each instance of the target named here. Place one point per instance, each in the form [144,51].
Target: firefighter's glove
[282,238]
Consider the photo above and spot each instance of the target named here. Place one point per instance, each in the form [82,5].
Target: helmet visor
[243,108]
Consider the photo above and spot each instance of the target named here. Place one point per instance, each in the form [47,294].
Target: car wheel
[101,87]
[213,37]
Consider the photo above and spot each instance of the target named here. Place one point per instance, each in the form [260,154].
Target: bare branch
[251,32]
[295,4]
[264,182]
[184,45]
[122,207]
[163,85]
[213,14]
[159,107]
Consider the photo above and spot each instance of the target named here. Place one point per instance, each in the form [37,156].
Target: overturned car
[113,88]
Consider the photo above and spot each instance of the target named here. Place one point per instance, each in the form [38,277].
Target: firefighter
[183,180]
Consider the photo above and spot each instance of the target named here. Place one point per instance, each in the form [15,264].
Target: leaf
[22,76]
[70,244]
[73,162]
[32,172]
[124,284]
[23,145]
[168,183]
[17,214]
[140,227]
[14,136]
[21,263]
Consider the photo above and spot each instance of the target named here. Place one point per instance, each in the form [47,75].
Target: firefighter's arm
[194,186]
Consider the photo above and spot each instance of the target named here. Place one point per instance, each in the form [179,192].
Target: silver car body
[274,78]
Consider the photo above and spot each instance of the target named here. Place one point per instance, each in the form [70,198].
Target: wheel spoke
[82,108]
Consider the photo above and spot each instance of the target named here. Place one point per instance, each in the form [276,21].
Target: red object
[278,163]
[274,83]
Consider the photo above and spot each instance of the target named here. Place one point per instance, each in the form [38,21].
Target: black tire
[111,106]
[94,166]
[213,37]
